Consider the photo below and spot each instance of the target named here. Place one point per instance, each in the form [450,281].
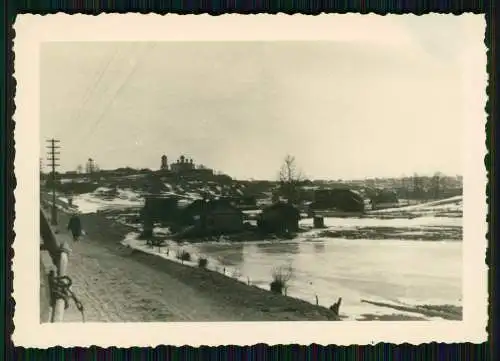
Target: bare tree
[290,179]
[79,169]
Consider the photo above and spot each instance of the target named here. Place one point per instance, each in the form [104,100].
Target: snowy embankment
[449,207]
[170,250]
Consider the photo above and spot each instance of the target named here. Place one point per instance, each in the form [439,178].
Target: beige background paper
[32,30]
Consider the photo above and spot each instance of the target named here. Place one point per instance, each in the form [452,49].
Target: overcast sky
[387,104]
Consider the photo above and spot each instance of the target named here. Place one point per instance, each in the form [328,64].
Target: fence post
[58,314]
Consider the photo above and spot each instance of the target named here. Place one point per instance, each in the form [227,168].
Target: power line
[117,93]
[92,89]
[84,137]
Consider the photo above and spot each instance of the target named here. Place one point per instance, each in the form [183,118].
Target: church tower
[164,162]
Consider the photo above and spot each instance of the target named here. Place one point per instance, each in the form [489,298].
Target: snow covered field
[104,198]
[101,200]
[450,207]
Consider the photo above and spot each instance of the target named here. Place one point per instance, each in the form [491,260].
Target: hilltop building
[182,164]
[187,168]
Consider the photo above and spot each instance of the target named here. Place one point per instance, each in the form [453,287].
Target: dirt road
[116,284]
[114,289]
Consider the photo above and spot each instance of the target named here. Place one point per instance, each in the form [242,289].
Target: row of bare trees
[291,178]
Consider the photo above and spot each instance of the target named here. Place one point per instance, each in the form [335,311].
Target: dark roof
[209,205]
[161,196]
[282,206]
[385,196]
[335,193]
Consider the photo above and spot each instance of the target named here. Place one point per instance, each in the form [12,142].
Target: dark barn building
[341,199]
[279,218]
[212,217]
[383,199]
[241,202]
[159,208]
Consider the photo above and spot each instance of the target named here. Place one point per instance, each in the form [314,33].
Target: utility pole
[40,174]
[52,157]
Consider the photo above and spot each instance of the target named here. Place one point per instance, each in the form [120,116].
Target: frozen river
[413,272]
[394,271]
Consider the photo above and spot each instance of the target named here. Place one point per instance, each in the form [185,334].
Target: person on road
[75,227]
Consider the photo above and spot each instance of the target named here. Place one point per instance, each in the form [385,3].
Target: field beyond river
[395,264]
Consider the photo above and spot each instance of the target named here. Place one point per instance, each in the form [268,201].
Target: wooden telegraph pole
[52,157]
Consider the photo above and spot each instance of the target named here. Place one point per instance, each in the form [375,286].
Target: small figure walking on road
[75,226]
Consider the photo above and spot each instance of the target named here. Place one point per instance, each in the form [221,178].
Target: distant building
[342,199]
[212,217]
[157,209]
[182,164]
[279,218]
[384,198]
[164,162]
[202,173]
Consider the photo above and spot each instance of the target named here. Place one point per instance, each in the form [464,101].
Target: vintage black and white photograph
[226,180]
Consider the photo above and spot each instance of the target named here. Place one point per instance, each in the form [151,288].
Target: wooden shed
[157,209]
[384,199]
[342,199]
[212,216]
[279,217]
[160,208]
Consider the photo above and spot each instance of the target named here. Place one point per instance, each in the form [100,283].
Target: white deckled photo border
[32,30]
